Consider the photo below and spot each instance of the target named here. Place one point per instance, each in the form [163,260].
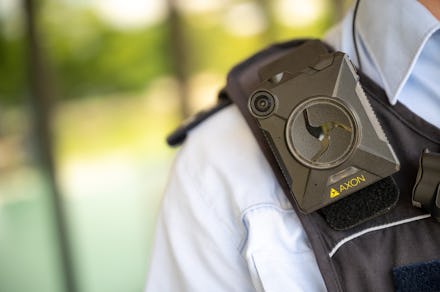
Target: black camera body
[321,128]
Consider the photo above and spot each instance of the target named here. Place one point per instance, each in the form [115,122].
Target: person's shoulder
[223,158]
[223,138]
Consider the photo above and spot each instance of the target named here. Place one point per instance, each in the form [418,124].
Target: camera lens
[262,104]
[321,132]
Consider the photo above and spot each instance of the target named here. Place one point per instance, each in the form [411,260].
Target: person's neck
[433,6]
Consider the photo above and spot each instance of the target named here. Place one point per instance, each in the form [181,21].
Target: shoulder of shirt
[223,158]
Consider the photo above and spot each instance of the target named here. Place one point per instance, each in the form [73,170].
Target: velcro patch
[359,207]
[417,277]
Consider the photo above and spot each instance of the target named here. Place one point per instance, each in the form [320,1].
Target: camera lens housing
[320,127]
[262,104]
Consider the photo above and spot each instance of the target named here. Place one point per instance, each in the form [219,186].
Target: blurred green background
[89,90]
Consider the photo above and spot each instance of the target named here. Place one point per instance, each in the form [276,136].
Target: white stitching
[374,228]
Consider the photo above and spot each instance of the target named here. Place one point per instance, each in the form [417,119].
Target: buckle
[426,192]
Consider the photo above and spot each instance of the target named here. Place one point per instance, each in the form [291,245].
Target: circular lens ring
[345,109]
[262,104]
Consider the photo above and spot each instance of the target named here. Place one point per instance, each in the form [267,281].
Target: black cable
[353,31]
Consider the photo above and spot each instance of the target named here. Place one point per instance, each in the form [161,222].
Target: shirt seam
[253,208]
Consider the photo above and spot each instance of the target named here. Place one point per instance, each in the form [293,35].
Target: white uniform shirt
[225,224]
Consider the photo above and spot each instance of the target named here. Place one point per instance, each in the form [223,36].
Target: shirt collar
[392,35]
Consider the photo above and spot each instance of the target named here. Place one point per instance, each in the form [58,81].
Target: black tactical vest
[403,244]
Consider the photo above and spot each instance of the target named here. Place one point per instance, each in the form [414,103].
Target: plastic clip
[426,192]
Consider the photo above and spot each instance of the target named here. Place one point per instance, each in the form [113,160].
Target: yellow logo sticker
[351,183]
[334,193]
[354,182]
